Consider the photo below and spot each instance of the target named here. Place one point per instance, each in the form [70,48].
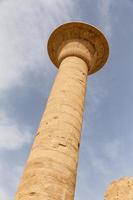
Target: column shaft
[50,173]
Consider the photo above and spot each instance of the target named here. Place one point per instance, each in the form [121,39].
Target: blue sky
[26,77]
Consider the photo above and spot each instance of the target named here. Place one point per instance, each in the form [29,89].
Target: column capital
[81,40]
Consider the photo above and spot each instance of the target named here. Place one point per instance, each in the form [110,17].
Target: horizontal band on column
[77,80]
[55,156]
[59,121]
[45,132]
[73,66]
[57,113]
[62,109]
[65,91]
[63,102]
[59,150]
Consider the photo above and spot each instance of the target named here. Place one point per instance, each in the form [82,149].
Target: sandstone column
[77,49]
[121,189]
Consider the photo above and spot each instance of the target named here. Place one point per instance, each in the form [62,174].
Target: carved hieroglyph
[77,49]
[121,189]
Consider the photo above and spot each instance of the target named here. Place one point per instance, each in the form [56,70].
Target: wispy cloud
[9,177]
[97,92]
[111,149]
[24,30]
[3,194]
[104,7]
[11,136]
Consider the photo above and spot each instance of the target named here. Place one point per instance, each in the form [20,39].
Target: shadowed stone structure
[121,189]
[77,49]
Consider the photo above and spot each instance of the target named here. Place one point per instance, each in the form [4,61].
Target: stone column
[121,189]
[77,49]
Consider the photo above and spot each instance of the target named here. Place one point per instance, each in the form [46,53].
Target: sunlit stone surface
[121,189]
[77,49]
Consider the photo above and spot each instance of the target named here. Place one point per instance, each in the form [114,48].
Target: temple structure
[121,189]
[78,50]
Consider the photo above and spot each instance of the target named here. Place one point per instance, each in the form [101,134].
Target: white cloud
[105,16]
[11,136]
[96,95]
[25,27]
[24,30]
[9,178]
[111,149]
[97,162]
[3,194]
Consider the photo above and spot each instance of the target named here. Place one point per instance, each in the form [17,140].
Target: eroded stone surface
[121,189]
[85,34]
[50,173]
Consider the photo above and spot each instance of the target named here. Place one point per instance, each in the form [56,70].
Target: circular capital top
[84,32]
